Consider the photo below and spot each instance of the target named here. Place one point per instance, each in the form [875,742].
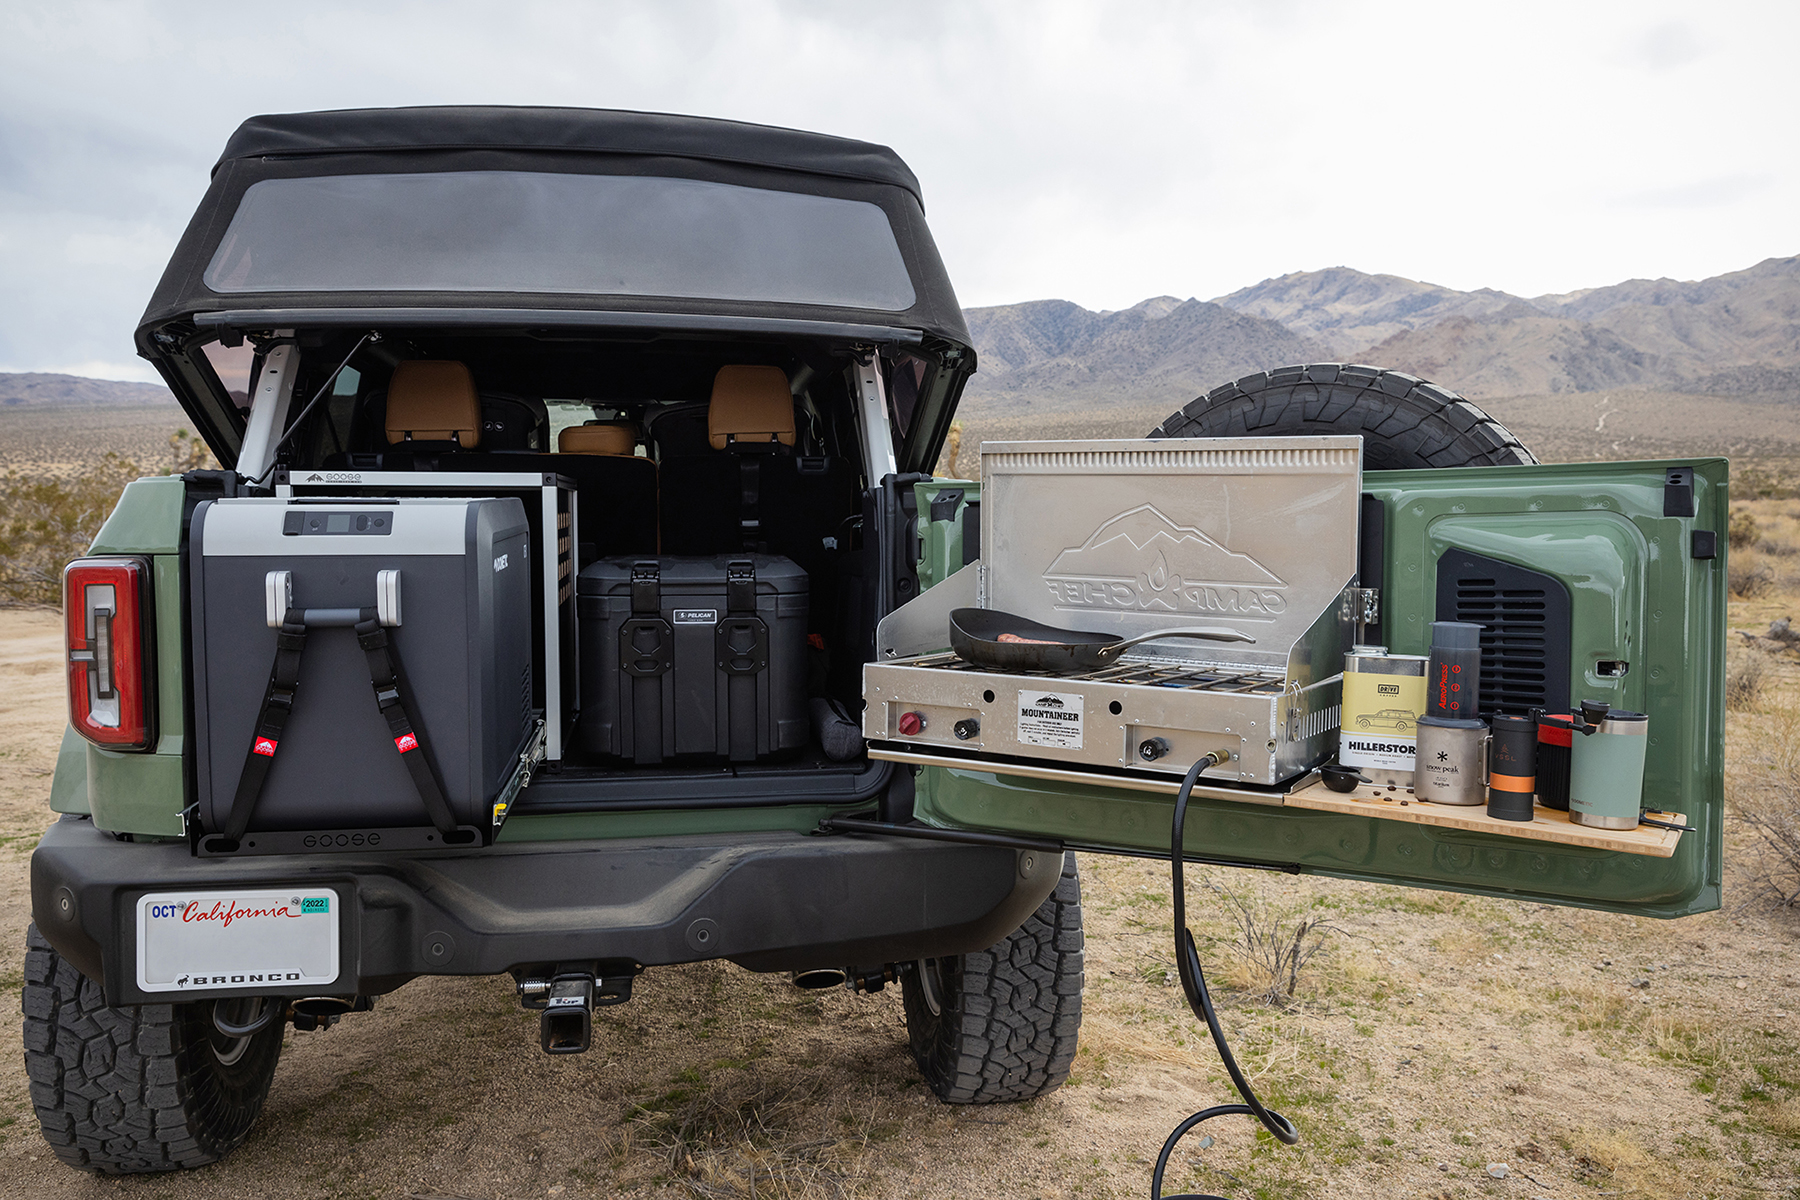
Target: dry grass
[750,1132]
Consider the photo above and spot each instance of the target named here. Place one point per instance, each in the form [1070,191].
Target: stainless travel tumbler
[1606,778]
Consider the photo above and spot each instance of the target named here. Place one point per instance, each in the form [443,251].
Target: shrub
[1746,678]
[1750,579]
[46,522]
[1741,531]
[1273,947]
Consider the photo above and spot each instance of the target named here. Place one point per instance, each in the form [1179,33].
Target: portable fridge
[447,583]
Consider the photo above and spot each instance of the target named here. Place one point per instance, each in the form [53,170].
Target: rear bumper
[768,901]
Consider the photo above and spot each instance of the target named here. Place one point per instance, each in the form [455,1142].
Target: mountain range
[1733,334]
[1736,334]
[42,388]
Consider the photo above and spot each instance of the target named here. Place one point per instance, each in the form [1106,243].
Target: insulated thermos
[1512,767]
[1554,733]
[1453,671]
[1451,762]
[1606,778]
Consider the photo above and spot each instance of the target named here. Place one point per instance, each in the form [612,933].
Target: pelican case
[451,580]
[693,659]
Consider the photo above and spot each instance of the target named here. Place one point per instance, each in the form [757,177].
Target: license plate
[210,941]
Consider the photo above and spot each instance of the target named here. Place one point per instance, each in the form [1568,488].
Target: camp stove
[1125,538]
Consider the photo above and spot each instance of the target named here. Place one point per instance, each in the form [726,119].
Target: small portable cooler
[693,659]
[450,581]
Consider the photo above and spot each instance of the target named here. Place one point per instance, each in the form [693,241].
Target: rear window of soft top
[530,231]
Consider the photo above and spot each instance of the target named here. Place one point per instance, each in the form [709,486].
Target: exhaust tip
[322,1007]
[817,978]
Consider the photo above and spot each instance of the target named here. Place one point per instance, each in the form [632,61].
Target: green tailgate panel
[1637,595]
[137,793]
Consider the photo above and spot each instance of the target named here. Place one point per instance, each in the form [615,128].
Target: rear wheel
[154,1087]
[1404,421]
[1001,1024]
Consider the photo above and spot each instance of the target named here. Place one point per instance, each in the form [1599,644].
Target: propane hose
[1193,983]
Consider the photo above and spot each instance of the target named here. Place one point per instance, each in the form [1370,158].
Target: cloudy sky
[1100,153]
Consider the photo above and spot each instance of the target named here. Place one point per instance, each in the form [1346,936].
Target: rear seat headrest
[750,404]
[604,437]
[433,401]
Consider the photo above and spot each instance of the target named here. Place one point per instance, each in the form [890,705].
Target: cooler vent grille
[1525,640]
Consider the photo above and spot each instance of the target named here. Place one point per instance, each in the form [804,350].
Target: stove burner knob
[1151,749]
[966,728]
[912,724]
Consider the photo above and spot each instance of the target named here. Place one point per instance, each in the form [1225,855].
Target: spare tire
[1404,421]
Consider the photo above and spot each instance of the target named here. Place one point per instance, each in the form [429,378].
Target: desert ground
[1438,1045]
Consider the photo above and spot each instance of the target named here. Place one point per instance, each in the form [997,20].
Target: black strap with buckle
[278,704]
[741,643]
[271,719]
[646,653]
[384,674]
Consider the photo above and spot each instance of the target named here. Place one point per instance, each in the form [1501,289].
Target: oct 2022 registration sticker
[207,941]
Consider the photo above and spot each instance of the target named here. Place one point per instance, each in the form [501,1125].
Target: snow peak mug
[1452,761]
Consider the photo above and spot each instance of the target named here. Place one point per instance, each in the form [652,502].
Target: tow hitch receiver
[568,998]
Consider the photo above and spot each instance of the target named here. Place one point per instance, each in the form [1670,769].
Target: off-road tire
[1405,422]
[1004,1021]
[133,1089]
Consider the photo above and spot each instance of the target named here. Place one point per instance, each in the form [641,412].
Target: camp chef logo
[1048,702]
[1141,561]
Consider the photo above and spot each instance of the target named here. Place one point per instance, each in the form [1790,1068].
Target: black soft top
[557,140]
[567,130]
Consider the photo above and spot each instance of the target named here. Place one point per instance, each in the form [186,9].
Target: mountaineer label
[1050,719]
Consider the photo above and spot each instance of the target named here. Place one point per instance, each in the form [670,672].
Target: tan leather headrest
[616,437]
[750,404]
[433,401]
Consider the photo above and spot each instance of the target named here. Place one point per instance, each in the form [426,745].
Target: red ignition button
[912,724]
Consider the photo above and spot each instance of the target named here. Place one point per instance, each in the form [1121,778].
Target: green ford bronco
[579,600]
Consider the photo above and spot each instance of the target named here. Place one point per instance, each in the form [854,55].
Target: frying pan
[976,635]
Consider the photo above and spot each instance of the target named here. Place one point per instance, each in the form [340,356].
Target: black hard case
[693,659]
[463,645]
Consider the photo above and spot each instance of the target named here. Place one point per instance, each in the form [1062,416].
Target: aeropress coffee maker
[1450,766]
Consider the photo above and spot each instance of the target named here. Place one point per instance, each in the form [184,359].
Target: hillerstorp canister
[1606,778]
[1384,694]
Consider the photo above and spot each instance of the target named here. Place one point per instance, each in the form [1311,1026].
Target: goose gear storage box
[448,583]
[693,659]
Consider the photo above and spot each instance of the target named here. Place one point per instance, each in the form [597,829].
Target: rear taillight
[104,602]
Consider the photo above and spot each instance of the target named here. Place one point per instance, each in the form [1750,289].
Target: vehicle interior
[674,447]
